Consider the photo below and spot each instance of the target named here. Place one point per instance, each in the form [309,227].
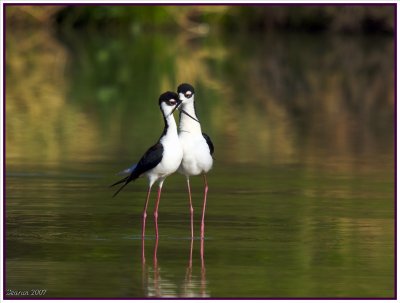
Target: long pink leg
[144,223]
[190,205]
[143,254]
[156,209]
[202,252]
[191,253]
[155,254]
[204,206]
[145,212]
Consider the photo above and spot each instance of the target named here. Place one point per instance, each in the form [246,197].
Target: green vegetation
[201,18]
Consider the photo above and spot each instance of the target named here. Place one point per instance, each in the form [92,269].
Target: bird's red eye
[188,94]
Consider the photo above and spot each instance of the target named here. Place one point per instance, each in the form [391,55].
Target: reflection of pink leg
[144,272]
[203,269]
[156,278]
[190,206]
[145,212]
[156,210]
[204,206]
[188,278]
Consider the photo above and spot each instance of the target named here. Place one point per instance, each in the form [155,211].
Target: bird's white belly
[196,155]
[172,158]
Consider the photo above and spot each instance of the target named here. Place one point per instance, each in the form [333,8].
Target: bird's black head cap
[167,96]
[185,87]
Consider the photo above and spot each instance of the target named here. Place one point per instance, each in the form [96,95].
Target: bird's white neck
[170,123]
[170,126]
[187,124]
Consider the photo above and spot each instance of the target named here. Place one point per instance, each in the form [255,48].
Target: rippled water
[301,198]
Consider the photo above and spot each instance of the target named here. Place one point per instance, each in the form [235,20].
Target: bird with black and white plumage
[160,160]
[197,147]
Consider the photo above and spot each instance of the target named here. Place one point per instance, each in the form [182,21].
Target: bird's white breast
[172,152]
[196,154]
[172,155]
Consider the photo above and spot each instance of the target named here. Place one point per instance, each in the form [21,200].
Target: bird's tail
[125,180]
[120,181]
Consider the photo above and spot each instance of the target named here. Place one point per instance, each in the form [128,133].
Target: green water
[301,196]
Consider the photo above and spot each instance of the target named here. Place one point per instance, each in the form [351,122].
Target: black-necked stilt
[160,160]
[197,146]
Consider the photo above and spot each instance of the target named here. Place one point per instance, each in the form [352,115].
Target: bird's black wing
[209,143]
[149,160]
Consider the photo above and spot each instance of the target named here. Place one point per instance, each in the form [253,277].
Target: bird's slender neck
[170,126]
[186,123]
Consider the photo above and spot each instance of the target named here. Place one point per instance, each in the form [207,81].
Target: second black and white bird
[197,147]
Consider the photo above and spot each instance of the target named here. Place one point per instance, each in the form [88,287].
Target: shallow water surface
[301,196]
[286,233]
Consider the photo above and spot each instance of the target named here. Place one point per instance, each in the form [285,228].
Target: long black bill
[176,106]
[187,114]
[179,107]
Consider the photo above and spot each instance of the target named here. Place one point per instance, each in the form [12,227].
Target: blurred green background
[299,102]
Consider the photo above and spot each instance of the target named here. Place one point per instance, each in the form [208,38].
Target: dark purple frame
[394,5]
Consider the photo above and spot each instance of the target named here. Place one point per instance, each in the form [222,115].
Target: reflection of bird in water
[155,285]
[197,147]
[193,287]
[160,160]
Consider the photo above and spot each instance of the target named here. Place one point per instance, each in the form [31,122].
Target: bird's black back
[149,160]
[209,143]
